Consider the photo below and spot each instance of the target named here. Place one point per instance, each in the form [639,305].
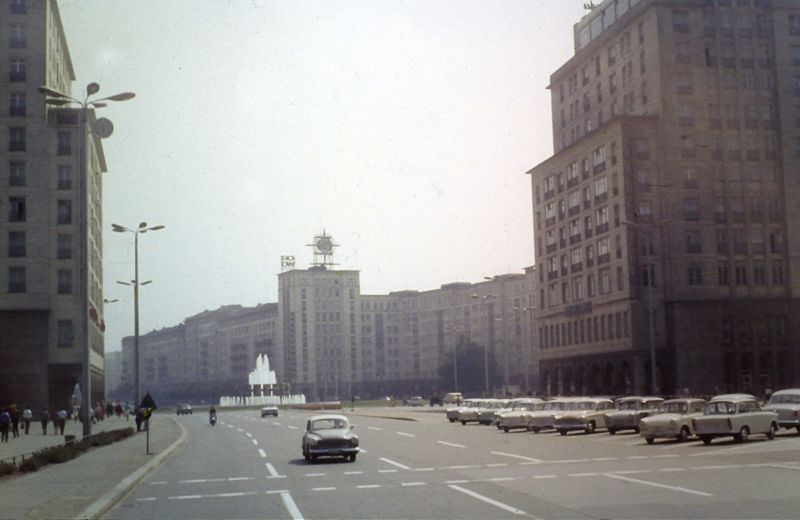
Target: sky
[403,128]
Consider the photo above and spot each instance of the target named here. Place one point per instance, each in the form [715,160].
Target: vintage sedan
[329,436]
[467,414]
[540,420]
[586,414]
[488,413]
[517,417]
[452,412]
[269,410]
[631,410]
[734,415]
[673,420]
[786,403]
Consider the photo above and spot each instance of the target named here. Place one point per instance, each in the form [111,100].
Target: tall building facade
[44,251]
[665,223]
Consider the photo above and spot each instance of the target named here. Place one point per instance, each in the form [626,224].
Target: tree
[471,377]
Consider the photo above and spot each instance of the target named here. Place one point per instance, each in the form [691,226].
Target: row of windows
[579,288]
[17,210]
[594,329]
[17,175]
[17,280]
[737,274]
[17,140]
[17,246]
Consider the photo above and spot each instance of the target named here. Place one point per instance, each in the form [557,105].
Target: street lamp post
[142,228]
[58,98]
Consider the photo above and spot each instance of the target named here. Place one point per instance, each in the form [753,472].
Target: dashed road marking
[412,484]
[248,434]
[158,483]
[387,471]
[262,453]
[463,466]
[291,427]
[291,507]
[521,457]
[146,499]
[272,472]
[656,484]
[368,486]
[581,474]
[425,469]
[193,481]
[328,488]
[235,479]
[456,482]
[404,434]
[276,423]
[185,497]
[488,500]
[239,430]
[314,474]
[497,465]
[394,463]
[255,442]
[375,428]
[451,444]
[353,473]
[671,470]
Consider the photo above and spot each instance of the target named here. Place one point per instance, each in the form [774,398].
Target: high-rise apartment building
[666,222]
[44,253]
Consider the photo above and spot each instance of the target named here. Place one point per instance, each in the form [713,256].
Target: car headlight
[354,441]
[313,440]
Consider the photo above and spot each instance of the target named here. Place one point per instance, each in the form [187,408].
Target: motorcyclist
[212,415]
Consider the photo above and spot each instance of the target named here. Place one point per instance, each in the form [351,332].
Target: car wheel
[505,429]
[313,458]
[706,440]
[562,432]
[590,427]
[452,420]
[743,435]
[612,431]
[650,440]
[535,429]
[353,457]
[636,429]
[683,436]
[771,432]
[798,430]
[463,423]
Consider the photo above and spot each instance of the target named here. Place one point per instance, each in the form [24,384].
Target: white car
[786,403]
[734,415]
[518,416]
[417,400]
[673,420]
[269,410]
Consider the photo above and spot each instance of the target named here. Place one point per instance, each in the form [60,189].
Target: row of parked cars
[726,415]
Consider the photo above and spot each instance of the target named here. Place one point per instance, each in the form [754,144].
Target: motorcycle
[213,420]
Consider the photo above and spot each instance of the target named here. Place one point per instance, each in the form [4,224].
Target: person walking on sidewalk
[62,420]
[27,417]
[14,412]
[5,424]
[45,418]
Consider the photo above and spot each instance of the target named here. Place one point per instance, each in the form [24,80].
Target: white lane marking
[463,466]
[501,479]
[387,471]
[217,479]
[185,497]
[375,428]
[271,469]
[255,442]
[248,434]
[668,456]
[721,466]
[544,476]
[353,473]
[193,481]
[276,491]
[362,450]
[291,507]
[262,453]
[292,427]
[637,457]
[631,471]
[146,499]
[314,474]
[158,483]
[521,457]
[239,430]
[276,423]
[656,484]
[404,434]
[410,484]
[784,466]
[581,474]
[329,488]
[504,507]
[235,479]
[231,494]
[425,469]
[229,426]
[670,470]
[569,461]
[451,444]
[456,481]
[394,463]
[604,459]
[368,486]
[497,465]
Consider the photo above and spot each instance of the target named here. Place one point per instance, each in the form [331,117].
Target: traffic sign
[147,402]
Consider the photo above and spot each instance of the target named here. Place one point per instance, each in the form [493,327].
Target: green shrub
[32,463]
[7,468]
[59,454]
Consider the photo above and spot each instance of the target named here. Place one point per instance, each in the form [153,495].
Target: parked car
[517,417]
[452,398]
[184,409]
[631,410]
[586,414]
[786,403]
[735,415]
[269,410]
[329,436]
[487,413]
[672,420]
[417,400]
[453,411]
[540,420]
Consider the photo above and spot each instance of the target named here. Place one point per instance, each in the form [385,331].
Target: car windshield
[555,405]
[721,408]
[628,405]
[673,408]
[328,424]
[585,405]
[785,399]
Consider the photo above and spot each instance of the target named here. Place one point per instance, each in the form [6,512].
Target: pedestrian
[27,417]
[109,409]
[118,410]
[62,420]
[45,418]
[14,412]
[139,420]
[5,424]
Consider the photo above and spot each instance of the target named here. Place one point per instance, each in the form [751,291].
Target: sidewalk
[90,483]
[34,441]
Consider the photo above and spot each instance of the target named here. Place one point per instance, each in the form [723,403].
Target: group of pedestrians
[16,422]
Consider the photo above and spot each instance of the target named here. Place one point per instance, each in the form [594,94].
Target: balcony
[601,228]
[574,239]
[576,268]
[601,198]
[603,259]
[574,210]
[599,168]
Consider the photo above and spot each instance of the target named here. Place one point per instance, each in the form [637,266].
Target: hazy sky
[403,128]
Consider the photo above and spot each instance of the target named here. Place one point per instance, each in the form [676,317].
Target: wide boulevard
[249,467]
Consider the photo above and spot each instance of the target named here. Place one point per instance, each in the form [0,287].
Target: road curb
[396,418]
[110,498]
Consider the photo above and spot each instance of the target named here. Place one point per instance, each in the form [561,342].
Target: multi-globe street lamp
[101,128]
[135,283]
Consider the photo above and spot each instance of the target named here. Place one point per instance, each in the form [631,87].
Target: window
[690,179]
[64,212]
[16,139]
[620,280]
[722,241]
[64,143]
[576,256]
[794,24]
[759,275]
[65,281]
[16,104]
[722,274]
[694,241]
[680,21]
[740,272]
[16,70]
[66,334]
[599,159]
[16,244]
[18,7]
[776,241]
[16,209]
[641,149]
[601,186]
[691,209]
[16,173]
[64,247]
[694,274]
[601,217]
[685,116]
[649,275]
[605,281]
[16,279]
[17,38]
[645,210]
[603,254]
[777,273]
[64,177]
[591,290]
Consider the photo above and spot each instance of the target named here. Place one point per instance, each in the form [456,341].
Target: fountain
[262,376]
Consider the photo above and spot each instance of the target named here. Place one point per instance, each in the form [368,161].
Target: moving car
[631,410]
[453,398]
[269,410]
[587,414]
[673,420]
[184,409]
[736,415]
[471,413]
[329,436]
[417,400]
[786,403]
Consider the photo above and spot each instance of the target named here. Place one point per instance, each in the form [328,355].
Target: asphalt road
[248,467]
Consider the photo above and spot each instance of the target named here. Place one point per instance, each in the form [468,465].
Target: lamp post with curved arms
[57,98]
[142,228]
